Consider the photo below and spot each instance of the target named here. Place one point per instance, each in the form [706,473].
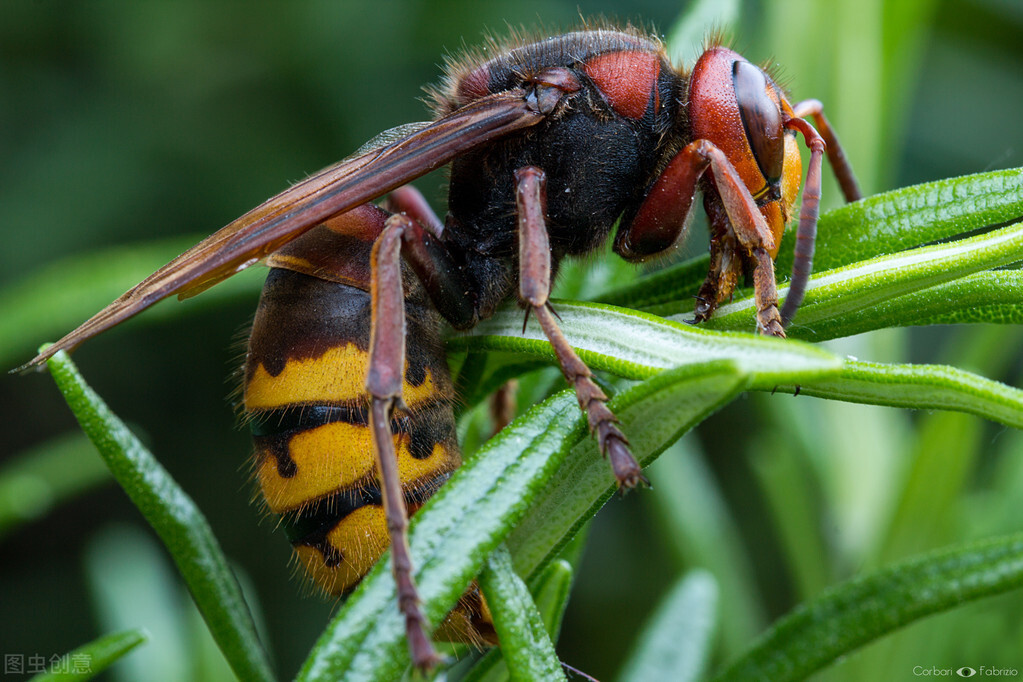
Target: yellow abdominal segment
[361,538]
[333,457]
[337,376]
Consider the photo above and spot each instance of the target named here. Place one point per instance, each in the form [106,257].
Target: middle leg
[534,289]
[725,260]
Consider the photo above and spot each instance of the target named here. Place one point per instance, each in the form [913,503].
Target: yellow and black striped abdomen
[308,408]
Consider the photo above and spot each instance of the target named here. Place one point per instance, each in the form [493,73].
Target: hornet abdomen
[306,402]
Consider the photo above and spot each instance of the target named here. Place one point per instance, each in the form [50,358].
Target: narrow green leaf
[939,478]
[33,483]
[907,217]
[175,518]
[550,594]
[690,509]
[922,387]
[686,38]
[637,345]
[991,297]
[91,659]
[665,291]
[585,278]
[490,668]
[788,488]
[469,376]
[937,484]
[833,294]
[854,613]
[500,369]
[654,414]
[675,644]
[132,584]
[525,644]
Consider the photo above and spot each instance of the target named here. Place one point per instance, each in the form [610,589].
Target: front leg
[534,289]
[836,155]
[662,217]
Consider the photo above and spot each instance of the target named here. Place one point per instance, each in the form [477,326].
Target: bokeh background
[135,123]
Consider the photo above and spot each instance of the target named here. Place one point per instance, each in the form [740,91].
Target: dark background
[127,122]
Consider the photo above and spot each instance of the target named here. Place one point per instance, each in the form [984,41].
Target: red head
[738,107]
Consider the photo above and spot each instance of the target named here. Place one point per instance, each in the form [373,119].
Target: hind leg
[384,385]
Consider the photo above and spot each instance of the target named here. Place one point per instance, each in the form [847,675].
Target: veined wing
[334,190]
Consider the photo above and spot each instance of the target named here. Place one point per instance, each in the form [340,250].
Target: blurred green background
[123,123]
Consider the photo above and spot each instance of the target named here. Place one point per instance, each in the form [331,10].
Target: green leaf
[922,387]
[834,294]
[687,37]
[788,491]
[91,659]
[848,616]
[585,278]
[637,345]
[175,518]
[665,291]
[525,645]
[947,455]
[550,594]
[689,506]
[907,217]
[131,583]
[991,297]
[675,644]
[672,403]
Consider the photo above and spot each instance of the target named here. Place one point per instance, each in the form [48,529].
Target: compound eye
[761,117]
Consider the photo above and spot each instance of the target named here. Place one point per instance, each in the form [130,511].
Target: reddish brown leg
[725,260]
[411,202]
[806,233]
[502,404]
[836,156]
[534,288]
[750,231]
[765,294]
[660,220]
[383,383]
